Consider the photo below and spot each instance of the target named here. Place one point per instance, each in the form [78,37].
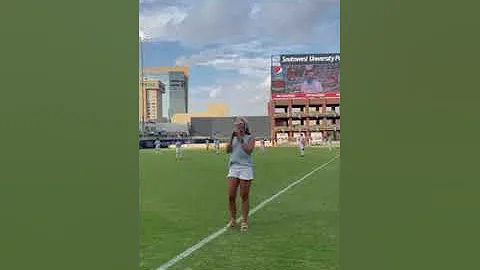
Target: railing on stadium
[308,114]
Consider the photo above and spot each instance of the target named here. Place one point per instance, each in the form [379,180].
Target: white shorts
[177,150]
[240,172]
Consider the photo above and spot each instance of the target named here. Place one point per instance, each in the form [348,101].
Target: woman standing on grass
[240,171]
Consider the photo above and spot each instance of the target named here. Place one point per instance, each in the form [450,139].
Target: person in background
[217,146]
[178,150]
[157,145]
[311,84]
[262,145]
[302,145]
[329,142]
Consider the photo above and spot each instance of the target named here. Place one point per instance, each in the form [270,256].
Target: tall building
[152,101]
[175,80]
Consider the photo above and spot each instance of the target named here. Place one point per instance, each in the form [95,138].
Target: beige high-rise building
[151,100]
[175,86]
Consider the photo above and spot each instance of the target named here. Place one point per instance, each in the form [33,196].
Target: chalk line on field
[216,234]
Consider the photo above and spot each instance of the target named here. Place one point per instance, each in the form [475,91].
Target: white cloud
[249,92]
[250,59]
[212,21]
[148,1]
[245,34]
[211,91]
[215,92]
[161,24]
[256,8]
[245,95]
[243,65]
[251,96]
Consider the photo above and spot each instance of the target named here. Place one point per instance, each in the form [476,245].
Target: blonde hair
[244,122]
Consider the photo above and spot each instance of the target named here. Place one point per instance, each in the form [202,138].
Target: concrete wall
[223,126]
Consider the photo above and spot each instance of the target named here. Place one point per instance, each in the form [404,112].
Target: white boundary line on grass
[209,238]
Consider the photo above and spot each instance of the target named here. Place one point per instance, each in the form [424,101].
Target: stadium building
[180,125]
[221,127]
[305,97]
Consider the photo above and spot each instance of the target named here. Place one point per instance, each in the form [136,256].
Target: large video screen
[305,75]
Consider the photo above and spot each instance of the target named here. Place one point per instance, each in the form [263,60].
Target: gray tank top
[238,156]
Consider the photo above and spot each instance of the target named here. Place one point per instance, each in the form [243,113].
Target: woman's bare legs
[244,194]
[233,184]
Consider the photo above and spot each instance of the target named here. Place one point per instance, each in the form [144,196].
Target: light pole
[144,101]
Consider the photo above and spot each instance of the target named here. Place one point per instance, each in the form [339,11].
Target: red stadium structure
[305,97]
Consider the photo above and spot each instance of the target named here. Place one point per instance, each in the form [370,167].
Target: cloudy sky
[227,44]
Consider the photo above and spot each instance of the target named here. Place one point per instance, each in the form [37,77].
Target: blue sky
[227,44]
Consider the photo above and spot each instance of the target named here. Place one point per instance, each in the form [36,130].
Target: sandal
[244,227]
[231,223]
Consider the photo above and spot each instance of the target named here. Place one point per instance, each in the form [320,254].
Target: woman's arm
[229,145]
[249,146]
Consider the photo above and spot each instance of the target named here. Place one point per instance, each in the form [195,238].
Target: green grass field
[185,201]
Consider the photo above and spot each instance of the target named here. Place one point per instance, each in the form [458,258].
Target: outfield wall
[222,126]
